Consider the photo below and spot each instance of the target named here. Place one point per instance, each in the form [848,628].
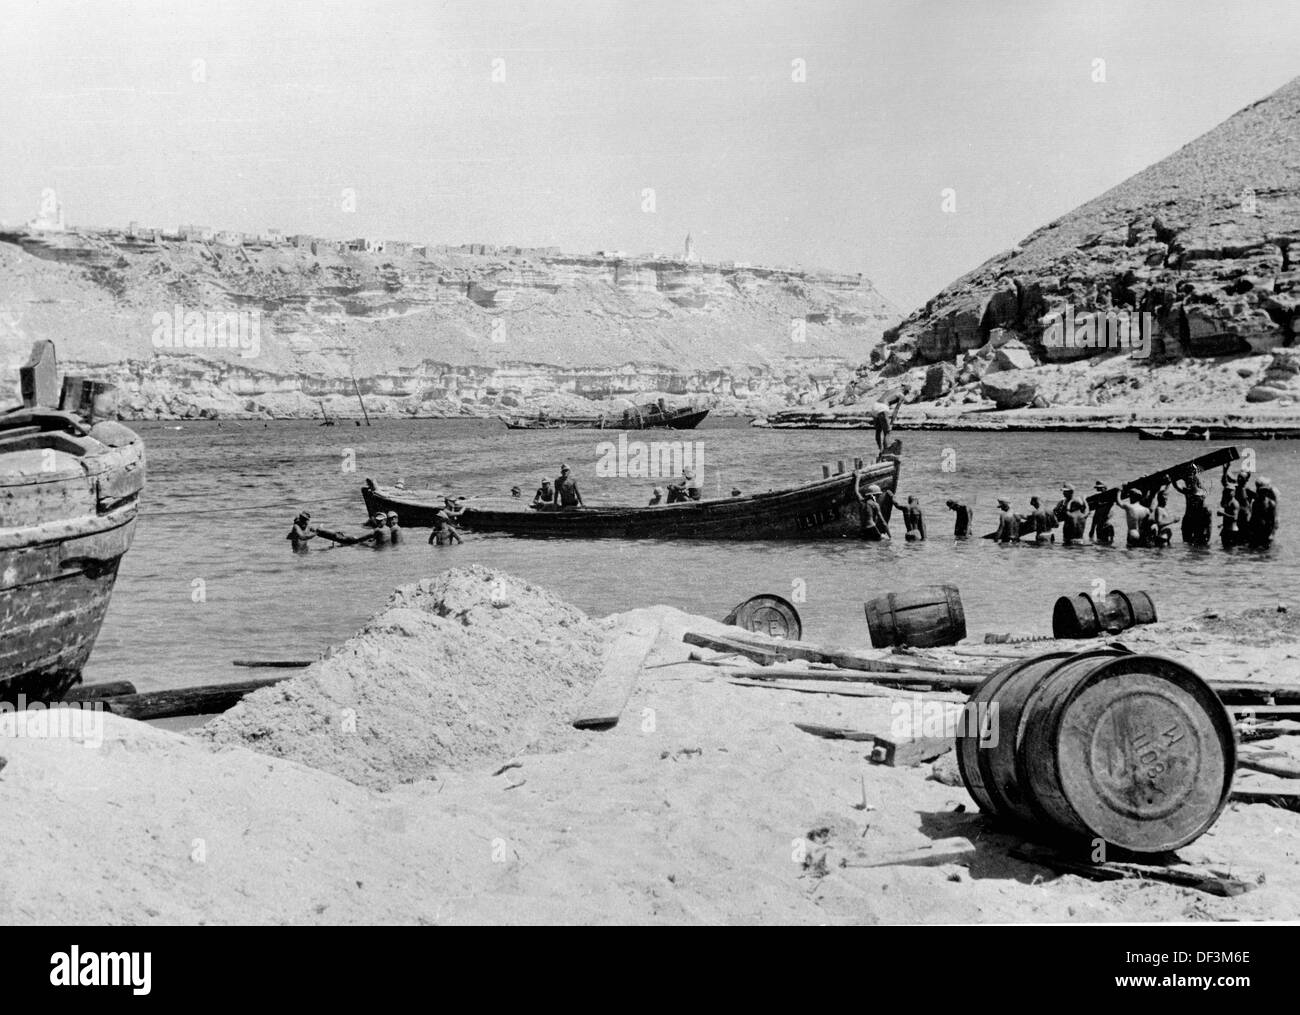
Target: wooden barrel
[1081,616]
[1134,750]
[920,617]
[770,615]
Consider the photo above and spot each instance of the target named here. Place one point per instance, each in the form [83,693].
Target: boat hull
[68,505]
[827,509]
[681,421]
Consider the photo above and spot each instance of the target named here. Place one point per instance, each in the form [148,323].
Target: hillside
[1206,243]
[430,331]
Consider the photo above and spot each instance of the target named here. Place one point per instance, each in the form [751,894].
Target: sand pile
[465,668]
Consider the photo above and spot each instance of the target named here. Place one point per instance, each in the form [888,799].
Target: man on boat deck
[1102,530]
[1008,523]
[656,496]
[301,532]
[880,419]
[961,528]
[874,526]
[913,521]
[394,532]
[566,489]
[687,489]
[545,495]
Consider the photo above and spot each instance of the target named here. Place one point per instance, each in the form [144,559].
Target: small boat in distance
[649,416]
[825,509]
[1218,433]
[70,487]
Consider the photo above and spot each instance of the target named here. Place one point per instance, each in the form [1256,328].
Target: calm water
[220,500]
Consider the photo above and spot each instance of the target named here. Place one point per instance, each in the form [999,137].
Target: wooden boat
[825,509]
[69,492]
[650,416]
[1218,433]
[1146,484]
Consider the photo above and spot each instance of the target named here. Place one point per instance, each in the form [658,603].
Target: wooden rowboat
[69,492]
[825,509]
[652,416]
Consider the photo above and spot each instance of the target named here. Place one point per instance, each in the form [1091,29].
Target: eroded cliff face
[199,328]
[1206,243]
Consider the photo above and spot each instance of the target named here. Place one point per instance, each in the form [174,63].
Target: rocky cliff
[188,328]
[1199,254]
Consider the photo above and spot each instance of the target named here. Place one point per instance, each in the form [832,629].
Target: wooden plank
[839,690]
[1288,799]
[89,692]
[765,651]
[38,378]
[205,700]
[282,664]
[907,753]
[1182,875]
[607,697]
[939,681]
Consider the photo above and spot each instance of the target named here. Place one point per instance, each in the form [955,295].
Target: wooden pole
[205,700]
[357,387]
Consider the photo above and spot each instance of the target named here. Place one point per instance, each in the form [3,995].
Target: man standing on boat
[880,417]
[566,489]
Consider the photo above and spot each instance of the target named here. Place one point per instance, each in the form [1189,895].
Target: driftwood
[884,750]
[204,700]
[772,652]
[838,690]
[1203,879]
[899,680]
[90,692]
[608,695]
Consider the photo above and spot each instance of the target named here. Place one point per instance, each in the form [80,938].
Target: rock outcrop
[1202,250]
[430,332]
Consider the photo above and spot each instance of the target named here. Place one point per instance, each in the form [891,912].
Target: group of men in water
[383,530]
[1249,515]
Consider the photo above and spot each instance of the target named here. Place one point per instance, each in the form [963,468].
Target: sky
[823,133]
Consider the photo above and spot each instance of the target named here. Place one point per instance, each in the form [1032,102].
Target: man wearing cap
[1263,515]
[301,532]
[394,532]
[378,537]
[1102,530]
[545,496]
[874,526]
[1063,505]
[566,489]
[1008,523]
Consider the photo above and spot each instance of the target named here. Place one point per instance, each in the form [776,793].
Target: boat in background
[70,485]
[649,416]
[826,509]
[1218,433]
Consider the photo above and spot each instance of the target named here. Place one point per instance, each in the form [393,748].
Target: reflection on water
[221,499]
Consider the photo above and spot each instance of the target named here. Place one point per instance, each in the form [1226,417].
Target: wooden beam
[1184,875]
[765,651]
[905,753]
[90,692]
[204,700]
[607,697]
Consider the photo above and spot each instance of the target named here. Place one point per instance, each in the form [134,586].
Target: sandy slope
[704,805]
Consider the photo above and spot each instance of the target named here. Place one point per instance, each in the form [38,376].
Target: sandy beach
[705,804]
